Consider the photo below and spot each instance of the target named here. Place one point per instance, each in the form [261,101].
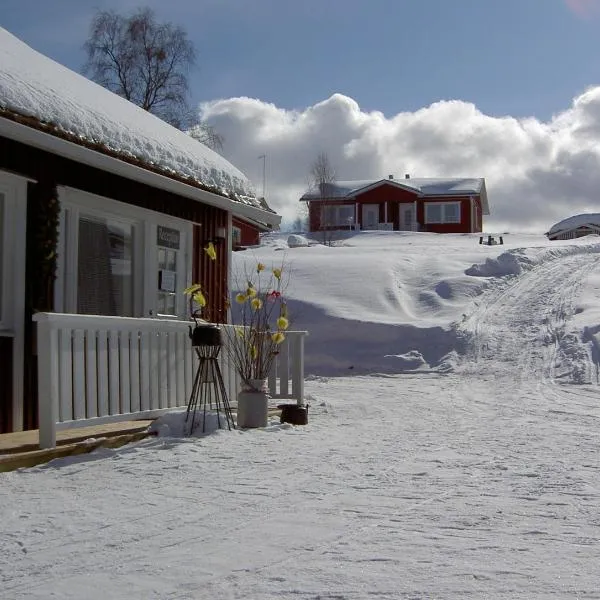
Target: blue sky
[509,57]
[508,90]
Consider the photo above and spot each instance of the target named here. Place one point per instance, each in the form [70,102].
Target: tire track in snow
[522,332]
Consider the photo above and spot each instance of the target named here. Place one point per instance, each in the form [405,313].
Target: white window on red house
[335,215]
[236,236]
[442,212]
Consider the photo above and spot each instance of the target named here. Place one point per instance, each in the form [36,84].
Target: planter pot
[294,414]
[206,335]
[253,405]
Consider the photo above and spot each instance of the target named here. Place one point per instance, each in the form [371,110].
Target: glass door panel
[105,267]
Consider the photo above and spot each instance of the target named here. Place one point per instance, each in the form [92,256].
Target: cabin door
[407,218]
[370,216]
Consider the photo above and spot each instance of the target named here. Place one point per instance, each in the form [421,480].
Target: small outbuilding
[575,227]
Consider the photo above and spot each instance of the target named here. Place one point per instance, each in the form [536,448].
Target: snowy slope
[390,302]
[480,481]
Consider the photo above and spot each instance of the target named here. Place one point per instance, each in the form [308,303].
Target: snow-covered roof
[424,186]
[574,222]
[35,86]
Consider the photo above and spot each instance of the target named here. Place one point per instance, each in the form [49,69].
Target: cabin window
[105,267]
[236,236]
[442,212]
[337,215]
[120,260]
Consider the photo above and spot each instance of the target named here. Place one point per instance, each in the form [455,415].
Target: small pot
[206,335]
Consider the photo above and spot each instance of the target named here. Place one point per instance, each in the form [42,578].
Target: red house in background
[453,205]
[246,231]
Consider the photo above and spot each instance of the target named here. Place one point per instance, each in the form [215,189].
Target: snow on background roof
[575,221]
[34,85]
[427,186]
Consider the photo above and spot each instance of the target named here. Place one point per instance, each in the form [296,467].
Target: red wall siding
[395,196]
[465,216]
[382,194]
[250,233]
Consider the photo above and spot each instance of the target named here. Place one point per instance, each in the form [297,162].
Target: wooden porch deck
[21,449]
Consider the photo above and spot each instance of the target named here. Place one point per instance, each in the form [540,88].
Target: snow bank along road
[483,483]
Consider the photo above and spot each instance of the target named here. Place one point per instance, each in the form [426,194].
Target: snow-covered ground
[457,456]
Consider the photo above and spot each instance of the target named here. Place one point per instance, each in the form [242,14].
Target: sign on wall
[167,237]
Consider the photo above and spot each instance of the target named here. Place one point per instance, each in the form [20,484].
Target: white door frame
[370,209]
[145,221]
[12,320]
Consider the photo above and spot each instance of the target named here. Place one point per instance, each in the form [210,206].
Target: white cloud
[537,172]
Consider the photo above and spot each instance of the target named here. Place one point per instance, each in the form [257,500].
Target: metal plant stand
[208,389]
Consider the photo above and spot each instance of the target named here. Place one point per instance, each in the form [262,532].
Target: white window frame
[337,210]
[12,254]
[443,218]
[144,224]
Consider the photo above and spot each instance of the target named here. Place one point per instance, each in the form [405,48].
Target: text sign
[167,237]
[166,280]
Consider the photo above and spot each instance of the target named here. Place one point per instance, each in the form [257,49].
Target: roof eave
[67,149]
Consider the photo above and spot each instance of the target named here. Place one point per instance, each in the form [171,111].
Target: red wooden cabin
[104,210]
[442,205]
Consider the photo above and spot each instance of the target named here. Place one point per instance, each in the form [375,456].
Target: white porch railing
[96,369]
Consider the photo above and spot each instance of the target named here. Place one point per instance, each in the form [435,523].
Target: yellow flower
[251,291]
[253,352]
[190,291]
[256,303]
[278,337]
[210,251]
[199,299]
[282,323]
[277,273]
[241,298]
[195,293]
[239,331]
[260,267]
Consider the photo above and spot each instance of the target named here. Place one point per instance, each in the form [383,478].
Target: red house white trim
[449,205]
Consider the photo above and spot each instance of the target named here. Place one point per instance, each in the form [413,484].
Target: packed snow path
[479,484]
[521,331]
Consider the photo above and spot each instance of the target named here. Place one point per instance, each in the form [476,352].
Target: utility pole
[264,181]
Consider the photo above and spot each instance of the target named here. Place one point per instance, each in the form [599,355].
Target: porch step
[28,441]
[18,460]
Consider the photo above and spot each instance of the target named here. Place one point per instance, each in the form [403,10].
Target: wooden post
[48,395]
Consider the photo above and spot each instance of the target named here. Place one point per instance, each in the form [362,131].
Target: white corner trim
[56,145]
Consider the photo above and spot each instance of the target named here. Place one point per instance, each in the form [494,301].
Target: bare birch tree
[322,177]
[148,63]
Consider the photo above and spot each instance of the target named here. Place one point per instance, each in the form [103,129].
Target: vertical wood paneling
[181,347]
[145,396]
[163,401]
[120,370]
[154,370]
[78,344]
[65,356]
[124,372]
[91,374]
[134,371]
[172,369]
[113,370]
[102,378]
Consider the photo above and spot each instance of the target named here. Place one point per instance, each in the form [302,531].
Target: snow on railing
[99,369]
